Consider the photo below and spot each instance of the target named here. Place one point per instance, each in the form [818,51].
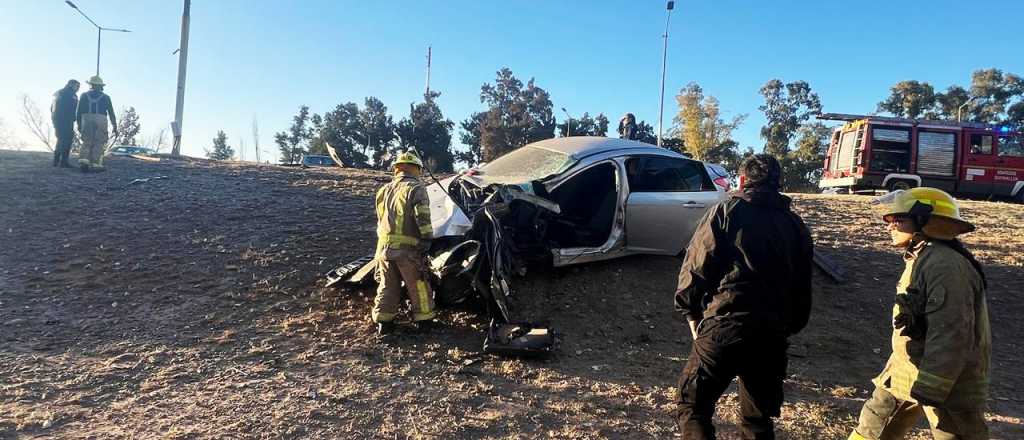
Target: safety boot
[385,328]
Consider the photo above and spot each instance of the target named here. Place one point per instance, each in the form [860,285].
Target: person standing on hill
[94,107]
[745,287]
[941,339]
[404,234]
[63,115]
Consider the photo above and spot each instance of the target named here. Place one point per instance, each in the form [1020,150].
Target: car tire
[897,184]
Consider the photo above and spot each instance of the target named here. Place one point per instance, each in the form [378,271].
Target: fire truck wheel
[900,185]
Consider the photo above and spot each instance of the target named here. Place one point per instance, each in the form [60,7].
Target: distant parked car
[315,160]
[128,150]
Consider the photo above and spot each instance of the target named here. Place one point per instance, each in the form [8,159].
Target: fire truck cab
[965,158]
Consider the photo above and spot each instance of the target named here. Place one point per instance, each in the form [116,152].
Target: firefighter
[745,287]
[65,104]
[941,343]
[94,107]
[404,234]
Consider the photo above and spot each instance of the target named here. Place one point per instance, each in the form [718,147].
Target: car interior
[588,201]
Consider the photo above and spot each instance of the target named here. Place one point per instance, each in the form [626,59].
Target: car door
[978,170]
[667,198]
[1009,164]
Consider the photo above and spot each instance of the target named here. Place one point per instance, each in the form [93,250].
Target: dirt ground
[194,307]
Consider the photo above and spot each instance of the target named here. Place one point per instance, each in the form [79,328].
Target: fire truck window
[981,144]
[1011,146]
[890,149]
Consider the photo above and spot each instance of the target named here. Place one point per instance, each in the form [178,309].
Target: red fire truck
[966,158]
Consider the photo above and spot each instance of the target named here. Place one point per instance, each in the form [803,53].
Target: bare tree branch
[256,137]
[36,122]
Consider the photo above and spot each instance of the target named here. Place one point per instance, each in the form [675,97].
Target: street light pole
[99,33]
[568,123]
[664,59]
[960,109]
[179,103]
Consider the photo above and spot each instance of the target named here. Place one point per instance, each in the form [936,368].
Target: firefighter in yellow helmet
[403,236]
[941,343]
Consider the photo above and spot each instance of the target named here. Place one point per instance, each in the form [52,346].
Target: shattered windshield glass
[524,165]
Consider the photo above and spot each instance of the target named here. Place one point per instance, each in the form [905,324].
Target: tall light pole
[960,109]
[179,103]
[99,33]
[664,58]
[568,123]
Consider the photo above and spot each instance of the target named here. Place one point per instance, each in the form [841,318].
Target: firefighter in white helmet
[404,234]
[941,343]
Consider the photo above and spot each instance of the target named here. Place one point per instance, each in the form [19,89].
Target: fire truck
[964,158]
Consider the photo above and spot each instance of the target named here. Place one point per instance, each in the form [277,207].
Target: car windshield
[524,165]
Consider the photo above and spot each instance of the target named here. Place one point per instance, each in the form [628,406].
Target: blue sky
[265,59]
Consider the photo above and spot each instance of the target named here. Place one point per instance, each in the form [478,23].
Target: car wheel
[899,185]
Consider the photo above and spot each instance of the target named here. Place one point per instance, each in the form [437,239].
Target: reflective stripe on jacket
[945,362]
[403,217]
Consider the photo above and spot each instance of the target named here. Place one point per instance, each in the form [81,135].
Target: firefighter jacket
[941,341]
[750,259]
[403,218]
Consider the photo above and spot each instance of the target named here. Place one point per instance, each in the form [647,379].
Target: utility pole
[179,105]
[664,59]
[428,72]
[568,123]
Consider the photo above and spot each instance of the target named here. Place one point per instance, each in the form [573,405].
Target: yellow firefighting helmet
[96,80]
[939,210]
[409,158]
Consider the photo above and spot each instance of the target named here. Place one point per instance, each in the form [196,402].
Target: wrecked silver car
[559,201]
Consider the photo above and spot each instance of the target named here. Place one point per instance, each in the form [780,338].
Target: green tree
[221,150]
[802,167]
[377,132]
[786,107]
[295,142]
[428,132]
[993,91]
[645,133]
[515,116]
[128,128]
[585,126]
[700,127]
[947,103]
[341,130]
[909,99]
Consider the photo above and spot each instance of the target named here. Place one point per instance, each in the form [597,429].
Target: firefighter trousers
[94,139]
[884,417]
[725,349]
[390,275]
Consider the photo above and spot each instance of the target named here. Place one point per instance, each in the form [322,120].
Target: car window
[525,164]
[661,174]
[1012,145]
[981,144]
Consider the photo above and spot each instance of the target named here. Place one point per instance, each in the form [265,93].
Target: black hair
[762,170]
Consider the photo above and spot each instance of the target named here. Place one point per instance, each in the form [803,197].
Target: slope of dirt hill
[194,307]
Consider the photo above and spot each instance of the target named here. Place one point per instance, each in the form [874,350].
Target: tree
[7,138]
[157,141]
[645,133]
[316,140]
[221,150]
[585,126]
[993,91]
[909,99]
[341,128]
[515,116]
[801,168]
[376,133]
[786,107]
[36,122]
[256,137]
[698,124]
[294,143]
[429,133]
[128,128]
[947,103]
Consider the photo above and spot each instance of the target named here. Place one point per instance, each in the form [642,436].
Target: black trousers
[725,349]
[63,148]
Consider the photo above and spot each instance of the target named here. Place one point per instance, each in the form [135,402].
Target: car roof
[579,147]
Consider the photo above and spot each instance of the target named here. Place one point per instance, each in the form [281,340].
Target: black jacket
[750,259]
[63,115]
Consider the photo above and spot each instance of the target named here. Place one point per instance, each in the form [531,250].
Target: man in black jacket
[63,114]
[745,287]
